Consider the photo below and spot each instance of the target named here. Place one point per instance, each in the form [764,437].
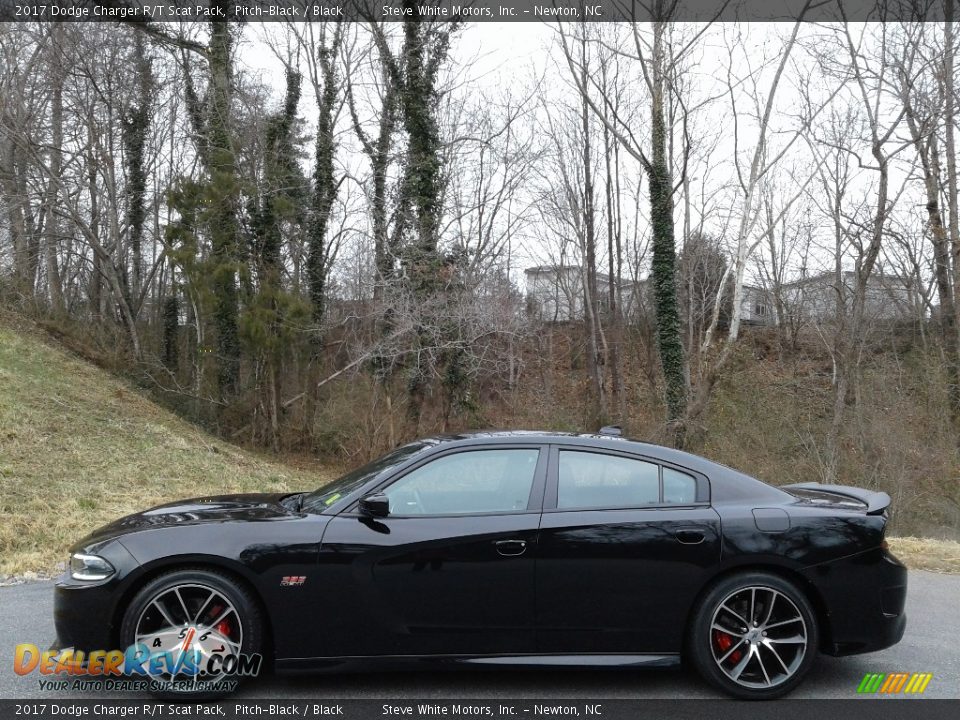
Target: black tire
[769,656]
[248,623]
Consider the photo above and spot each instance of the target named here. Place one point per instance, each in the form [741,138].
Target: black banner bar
[853,709]
[469,10]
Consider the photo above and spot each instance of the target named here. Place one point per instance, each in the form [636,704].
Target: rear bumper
[864,602]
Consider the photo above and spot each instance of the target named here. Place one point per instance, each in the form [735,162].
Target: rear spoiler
[876,502]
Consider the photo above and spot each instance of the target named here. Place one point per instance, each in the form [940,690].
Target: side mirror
[375,505]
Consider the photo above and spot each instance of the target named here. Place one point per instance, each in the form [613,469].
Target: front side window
[593,480]
[324,497]
[470,482]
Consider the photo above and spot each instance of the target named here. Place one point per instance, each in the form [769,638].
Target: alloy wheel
[190,621]
[758,637]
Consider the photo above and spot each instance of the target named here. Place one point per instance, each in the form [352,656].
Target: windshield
[324,497]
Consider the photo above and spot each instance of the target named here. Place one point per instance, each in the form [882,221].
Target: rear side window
[678,487]
[593,480]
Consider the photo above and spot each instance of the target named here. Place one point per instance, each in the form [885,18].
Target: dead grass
[942,556]
[79,447]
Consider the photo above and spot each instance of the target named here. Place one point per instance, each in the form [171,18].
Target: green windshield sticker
[332,499]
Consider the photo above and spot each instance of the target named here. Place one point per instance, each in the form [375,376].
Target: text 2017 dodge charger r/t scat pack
[501,548]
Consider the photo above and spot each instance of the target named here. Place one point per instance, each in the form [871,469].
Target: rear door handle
[509,548]
[690,537]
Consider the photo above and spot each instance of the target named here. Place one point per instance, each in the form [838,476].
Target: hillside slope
[80,447]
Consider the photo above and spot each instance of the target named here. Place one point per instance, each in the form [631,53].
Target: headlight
[89,567]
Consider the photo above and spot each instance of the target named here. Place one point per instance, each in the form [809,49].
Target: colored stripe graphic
[901,681]
[893,683]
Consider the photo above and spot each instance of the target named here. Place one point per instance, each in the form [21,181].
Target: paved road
[931,644]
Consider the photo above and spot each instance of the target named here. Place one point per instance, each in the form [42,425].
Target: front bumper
[864,601]
[83,614]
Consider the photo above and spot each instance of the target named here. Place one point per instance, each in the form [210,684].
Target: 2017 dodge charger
[500,548]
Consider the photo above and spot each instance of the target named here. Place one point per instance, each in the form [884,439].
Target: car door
[450,569]
[625,544]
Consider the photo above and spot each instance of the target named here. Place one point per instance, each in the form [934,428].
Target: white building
[555,293]
[815,298]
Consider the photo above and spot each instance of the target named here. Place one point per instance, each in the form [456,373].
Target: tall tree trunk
[614,263]
[55,168]
[380,161]
[96,276]
[171,333]
[136,125]
[325,186]
[589,280]
[422,183]
[14,204]
[949,118]
[224,225]
[664,249]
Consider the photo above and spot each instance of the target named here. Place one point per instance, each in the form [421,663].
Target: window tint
[475,481]
[327,495]
[678,487]
[588,480]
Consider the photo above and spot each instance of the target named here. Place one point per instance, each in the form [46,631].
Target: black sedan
[500,549]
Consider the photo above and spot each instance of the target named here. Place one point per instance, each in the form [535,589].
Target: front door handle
[511,548]
[690,537]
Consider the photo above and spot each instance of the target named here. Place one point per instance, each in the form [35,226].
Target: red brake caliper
[222,627]
[724,642]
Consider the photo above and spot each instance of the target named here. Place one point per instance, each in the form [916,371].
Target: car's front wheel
[754,636]
[190,627]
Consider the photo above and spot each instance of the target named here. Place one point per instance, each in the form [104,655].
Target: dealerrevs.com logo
[184,669]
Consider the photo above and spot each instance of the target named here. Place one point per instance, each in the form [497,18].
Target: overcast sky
[490,56]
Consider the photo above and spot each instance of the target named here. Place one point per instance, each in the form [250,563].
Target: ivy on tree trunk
[223,198]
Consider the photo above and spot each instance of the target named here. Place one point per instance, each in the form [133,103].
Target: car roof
[727,483]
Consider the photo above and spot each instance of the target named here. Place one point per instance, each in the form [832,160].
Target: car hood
[250,507]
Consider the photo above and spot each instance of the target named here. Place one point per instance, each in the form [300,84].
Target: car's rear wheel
[189,618]
[754,636]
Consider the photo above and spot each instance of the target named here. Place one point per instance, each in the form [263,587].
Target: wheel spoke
[753,606]
[763,667]
[792,640]
[199,614]
[186,613]
[735,614]
[728,631]
[783,622]
[166,616]
[221,617]
[773,601]
[737,671]
[772,649]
